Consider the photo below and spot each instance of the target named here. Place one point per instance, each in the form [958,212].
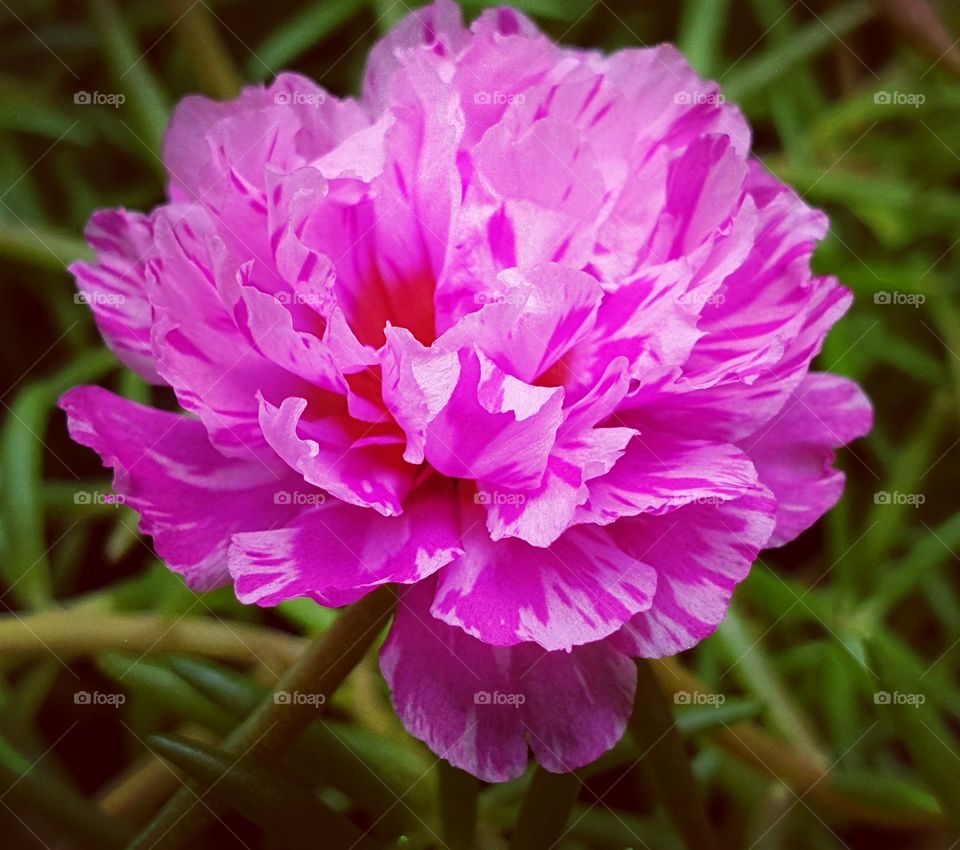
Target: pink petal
[530,323]
[429,35]
[417,384]
[166,469]
[581,589]
[115,286]
[352,461]
[200,349]
[494,427]
[700,552]
[481,706]
[336,553]
[794,452]
[540,516]
[659,473]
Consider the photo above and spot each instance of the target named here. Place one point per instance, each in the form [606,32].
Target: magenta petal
[658,474]
[540,516]
[580,589]
[166,469]
[335,553]
[481,706]
[429,34]
[201,350]
[269,323]
[494,427]
[115,286]
[794,453]
[700,552]
[354,462]
[529,324]
[647,322]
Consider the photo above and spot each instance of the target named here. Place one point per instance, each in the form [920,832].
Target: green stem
[209,58]
[148,106]
[73,632]
[276,724]
[28,788]
[39,246]
[654,728]
[545,811]
[752,667]
[458,807]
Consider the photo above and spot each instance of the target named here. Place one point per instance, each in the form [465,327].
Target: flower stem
[546,810]
[276,723]
[654,728]
[458,807]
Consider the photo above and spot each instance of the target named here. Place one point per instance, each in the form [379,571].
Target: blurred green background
[835,711]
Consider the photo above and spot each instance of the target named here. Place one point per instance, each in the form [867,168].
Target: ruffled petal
[581,589]
[794,452]
[355,462]
[494,427]
[540,516]
[531,322]
[190,497]
[700,552]
[115,286]
[201,350]
[336,553]
[660,473]
[481,706]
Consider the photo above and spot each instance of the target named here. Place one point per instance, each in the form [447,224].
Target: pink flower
[525,330]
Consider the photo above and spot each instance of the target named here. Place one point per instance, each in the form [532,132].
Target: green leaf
[701,32]
[755,670]
[932,746]
[695,721]
[312,25]
[666,761]
[754,75]
[160,686]
[367,769]
[280,807]
[899,797]
[28,786]
[147,103]
[26,568]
